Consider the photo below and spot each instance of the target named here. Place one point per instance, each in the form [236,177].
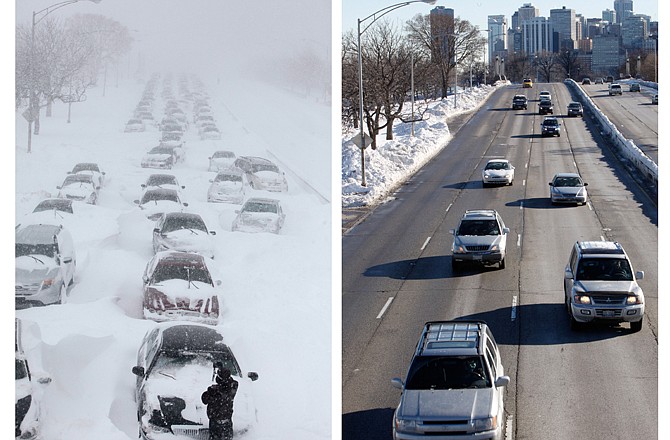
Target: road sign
[30,114]
[357,140]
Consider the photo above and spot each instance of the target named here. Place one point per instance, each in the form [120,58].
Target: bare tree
[546,64]
[568,61]
[518,67]
[350,106]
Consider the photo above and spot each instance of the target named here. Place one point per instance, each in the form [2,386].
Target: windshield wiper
[167,375]
[35,258]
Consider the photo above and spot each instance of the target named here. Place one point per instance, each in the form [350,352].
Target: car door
[570,270]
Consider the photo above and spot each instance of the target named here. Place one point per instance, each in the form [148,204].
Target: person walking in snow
[219,400]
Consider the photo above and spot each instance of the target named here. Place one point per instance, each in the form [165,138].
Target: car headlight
[486,175]
[404,425]
[495,247]
[486,424]
[47,283]
[582,299]
[633,299]
[460,249]
[508,175]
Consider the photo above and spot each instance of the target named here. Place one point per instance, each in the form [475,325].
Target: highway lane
[633,114]
[402,252]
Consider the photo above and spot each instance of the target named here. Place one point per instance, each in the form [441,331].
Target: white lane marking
[589,205]
[602,238]
[386,306]
[524,182]
[425,243]
[508,428]
[513,307]
[526,164]
[518,240]
[575,163]
[449,207]
[521,205]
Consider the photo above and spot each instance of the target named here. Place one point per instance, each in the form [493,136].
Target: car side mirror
[103,173]
[252,375]
[505,230]
[212,232]
[58,187]
[502,381]
[138,371]
[183,187]
[67,260]
[397,383]
[217,282]
[639,275]
[551,184]
[185,204]
[586,184]
[143,185]
[568,273]
[41,378]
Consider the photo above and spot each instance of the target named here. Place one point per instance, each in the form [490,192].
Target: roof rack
[441,335]
[600,247]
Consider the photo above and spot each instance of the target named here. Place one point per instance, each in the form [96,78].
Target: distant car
[165,181]
[27,389]
[60,205]
[91,169]
[210,132]
[179,286]
[654,99]
[481,237]
[545,107]
[545,95]
[262,173]
[79,187]
[172,135]
[551,126]
[174,367]
[599,81]
[586,81]
[227,186]
[615,89]
[259,215]
[155,202]
[568,188]
[134,125]
[634,87]
[144,115]
[520,102]
[164,156]
[45,264]
[204,119]
[221,160]
[575,109]
[609,79]
[498,171]
[182,231]
[527,83]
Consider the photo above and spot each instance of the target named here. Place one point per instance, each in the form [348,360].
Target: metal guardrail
[627,147]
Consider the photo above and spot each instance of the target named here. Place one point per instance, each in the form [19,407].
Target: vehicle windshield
[224,154]
[265,167]
[228,178]
[22,249]
[260,207]
[180,271]
[550,122]
[77,178]
[160,150]
[169,362]
[614,269]
[59,205]
[158,196]
[185,222]
[497,166]
[447,373]
[574,105]
[567,181]
[157,180]
[85,167]
[21,370]
[479,227]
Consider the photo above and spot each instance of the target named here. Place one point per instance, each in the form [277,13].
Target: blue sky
[476,11]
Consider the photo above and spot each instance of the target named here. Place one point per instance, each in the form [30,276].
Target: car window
[21,369]
[479,227]
[22,249]
[497,166]
[169,362]
[568,182]
[176,223]
[443,373]
[265,167]
[228,178]
[157,180]
[615,269]
[259,207]
[185,272]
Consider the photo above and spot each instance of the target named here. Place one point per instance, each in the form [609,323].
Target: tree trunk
[389,128]
[49,108]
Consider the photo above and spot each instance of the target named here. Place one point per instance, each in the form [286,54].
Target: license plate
[476,257]
[608,313]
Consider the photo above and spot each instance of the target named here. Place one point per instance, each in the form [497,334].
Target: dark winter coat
[219,399]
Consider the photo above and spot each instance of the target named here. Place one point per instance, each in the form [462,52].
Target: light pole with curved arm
[33,107]
[375,16]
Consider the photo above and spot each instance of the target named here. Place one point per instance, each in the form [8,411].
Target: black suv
[519,102]
[575,109]
[546,107]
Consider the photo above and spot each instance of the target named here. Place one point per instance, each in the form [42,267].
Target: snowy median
[395,160]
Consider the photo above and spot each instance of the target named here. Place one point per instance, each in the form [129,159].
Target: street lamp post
[375,16]
[33,106]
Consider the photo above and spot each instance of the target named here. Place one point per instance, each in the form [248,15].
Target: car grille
[608,313]
[196,432]
[27,289]
[477,248]
[615,300]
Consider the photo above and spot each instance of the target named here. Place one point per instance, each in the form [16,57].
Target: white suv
[454,386]
[481,237]
[599,285]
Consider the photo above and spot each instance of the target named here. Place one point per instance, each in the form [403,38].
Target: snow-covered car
[79,187]
[262,173]
[227,186]
[210,132]
[221,160]
[164,156]
[259,215]
[568,188]
[182,231]
[179,286]
[134,125]
[60,205]
[174,367]
[164,181]
[91,169]
[498,171]
[144,115]
[204,120]
[155,202]
[45,264]
[28,386]
[171,135]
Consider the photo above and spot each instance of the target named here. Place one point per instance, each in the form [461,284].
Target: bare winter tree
[350,97]
[546,64]
[518,67]
[568,61]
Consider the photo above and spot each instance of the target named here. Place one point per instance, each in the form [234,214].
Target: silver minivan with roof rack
[455,385]
[600,285]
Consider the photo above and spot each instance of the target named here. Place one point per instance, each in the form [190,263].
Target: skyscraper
[441,29]
[624,9]
[563,22]
[609,15]
[497,37]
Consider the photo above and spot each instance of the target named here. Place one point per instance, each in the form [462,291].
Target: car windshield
[260,207]
[479,227]
[85,167]
[22,249]
[160,150]
[73,179]
[169,362]
[158,180]
[224,154]
[614,269]
[21,370]
[574,105]
[228,178]
[550,122]
[59,205]
[446,373]
[265,167]
[497,166]
[158,196]
[180,271]
[568,181]
[183,222]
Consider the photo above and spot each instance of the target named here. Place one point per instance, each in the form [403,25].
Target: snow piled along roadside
[395,160]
